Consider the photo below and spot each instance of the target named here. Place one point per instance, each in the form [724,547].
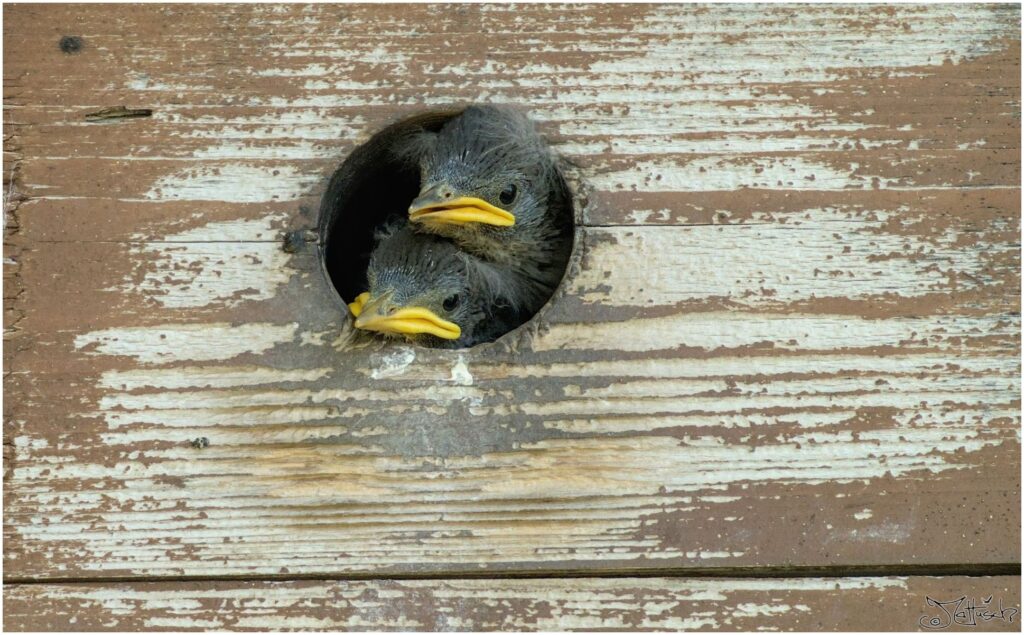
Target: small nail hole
[71,44]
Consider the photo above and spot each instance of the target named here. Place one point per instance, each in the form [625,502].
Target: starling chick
[489,183]
[425,289]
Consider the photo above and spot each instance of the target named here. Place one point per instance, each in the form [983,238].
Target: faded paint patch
[728,174]
[394,363]
[906,37]
[185,342]
[205,377]
[822,254]
[234,183]
[222,263]
[461,374]
[721,330]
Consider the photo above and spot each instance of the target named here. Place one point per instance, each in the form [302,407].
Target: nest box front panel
[788,335]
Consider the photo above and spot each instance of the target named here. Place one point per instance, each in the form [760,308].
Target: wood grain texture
[648,604]
[790,336]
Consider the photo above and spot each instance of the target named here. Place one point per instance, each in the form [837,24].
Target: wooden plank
[638,604]
[674,107]
[790,336]
[652,434]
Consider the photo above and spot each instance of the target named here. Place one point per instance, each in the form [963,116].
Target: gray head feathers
[429,271]
[488,144]
[495,154]
[501,274]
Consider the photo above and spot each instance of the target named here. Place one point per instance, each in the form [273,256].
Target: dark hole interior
[372,186]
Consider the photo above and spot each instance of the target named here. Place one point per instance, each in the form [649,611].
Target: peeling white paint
[728,173]
[720,329]
[818,58]
[824,255]
[745,366]
[235,183]
[461,374]
[205,377]
[185,342]
[394,363]
[221,263]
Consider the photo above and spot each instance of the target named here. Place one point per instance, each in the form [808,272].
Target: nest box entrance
[374,186]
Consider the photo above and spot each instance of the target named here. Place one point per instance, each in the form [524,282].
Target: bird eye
[508,194]
[451,302]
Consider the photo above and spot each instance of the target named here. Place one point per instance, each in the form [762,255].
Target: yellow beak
[356,306]
[379,315]
[459,211]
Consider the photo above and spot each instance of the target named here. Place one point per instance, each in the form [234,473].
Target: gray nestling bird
[425,289]
[489,182]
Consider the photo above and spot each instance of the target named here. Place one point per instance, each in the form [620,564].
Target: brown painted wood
[790,335]
[662,604]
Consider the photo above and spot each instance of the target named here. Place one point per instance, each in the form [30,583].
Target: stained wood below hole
[640,427]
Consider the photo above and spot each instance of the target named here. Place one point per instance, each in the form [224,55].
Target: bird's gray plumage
[485,152]
[422,270]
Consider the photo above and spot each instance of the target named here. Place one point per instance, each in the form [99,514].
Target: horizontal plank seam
[852,571]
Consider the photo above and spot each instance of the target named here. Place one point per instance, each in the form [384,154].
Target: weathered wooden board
[638,604]
[790,338]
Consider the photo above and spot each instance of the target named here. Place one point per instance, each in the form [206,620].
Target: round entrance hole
[374,188]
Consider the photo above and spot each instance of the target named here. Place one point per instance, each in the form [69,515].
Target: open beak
[431,207]
[381,315]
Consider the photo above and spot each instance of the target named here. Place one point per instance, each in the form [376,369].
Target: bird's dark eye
[451,302]
[508,194]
